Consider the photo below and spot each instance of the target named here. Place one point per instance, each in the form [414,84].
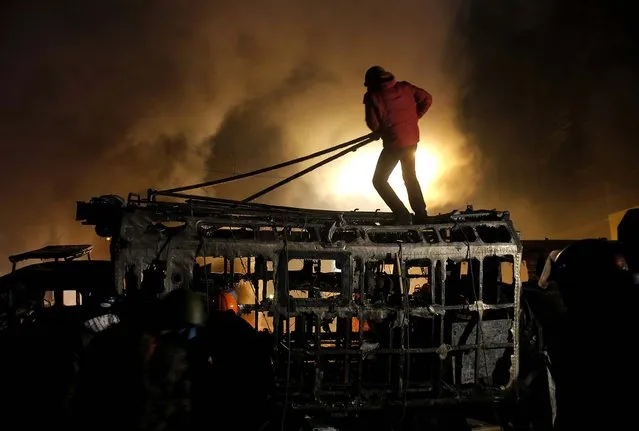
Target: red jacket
[393,110]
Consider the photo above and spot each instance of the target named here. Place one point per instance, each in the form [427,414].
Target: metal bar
[207,205]
[307,170]
[327,307]
[514,369]
[440,371]
[264,170]
[398,351]
[347,289]
[479,338]
[463,398]
[360,357]
[278,286]
[404,357]
[256,290]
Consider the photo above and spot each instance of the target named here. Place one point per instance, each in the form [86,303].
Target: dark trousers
[388,159]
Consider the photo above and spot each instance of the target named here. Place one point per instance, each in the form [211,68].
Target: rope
[370,137]
[287,180]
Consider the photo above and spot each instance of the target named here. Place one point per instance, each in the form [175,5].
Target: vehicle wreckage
[364,315]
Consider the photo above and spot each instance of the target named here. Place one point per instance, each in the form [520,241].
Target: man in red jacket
[393,109]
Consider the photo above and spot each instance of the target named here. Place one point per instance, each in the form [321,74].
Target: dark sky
[534,101]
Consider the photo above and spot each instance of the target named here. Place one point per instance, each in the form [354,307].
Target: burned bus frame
[342,367]
[51,274]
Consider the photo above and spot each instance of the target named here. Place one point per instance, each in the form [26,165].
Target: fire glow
[351,178]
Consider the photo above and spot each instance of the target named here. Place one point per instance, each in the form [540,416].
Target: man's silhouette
[393,109]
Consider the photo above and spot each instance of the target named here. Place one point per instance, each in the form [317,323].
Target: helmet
[183,307]
[376,74]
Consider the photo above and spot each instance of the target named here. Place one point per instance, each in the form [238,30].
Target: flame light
[357,173]
[351,178]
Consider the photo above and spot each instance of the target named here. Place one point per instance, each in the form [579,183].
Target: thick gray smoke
[550,99]
[118,96]
[250,138]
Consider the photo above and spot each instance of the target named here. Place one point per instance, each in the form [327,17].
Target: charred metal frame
[318,367]
[55,253]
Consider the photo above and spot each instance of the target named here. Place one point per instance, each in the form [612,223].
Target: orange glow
[347,184]
[356,174]
[228,302]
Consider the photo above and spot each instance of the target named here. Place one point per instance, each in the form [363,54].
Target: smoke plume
[549,100]
[117,96]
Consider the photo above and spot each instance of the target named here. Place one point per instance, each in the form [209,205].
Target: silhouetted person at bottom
[393,109]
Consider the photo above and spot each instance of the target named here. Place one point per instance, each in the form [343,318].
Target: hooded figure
[393,109]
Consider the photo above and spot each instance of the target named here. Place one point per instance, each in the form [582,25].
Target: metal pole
[307,170]
[267,169]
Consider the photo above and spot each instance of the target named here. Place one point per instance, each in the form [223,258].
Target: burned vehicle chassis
[352,329]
